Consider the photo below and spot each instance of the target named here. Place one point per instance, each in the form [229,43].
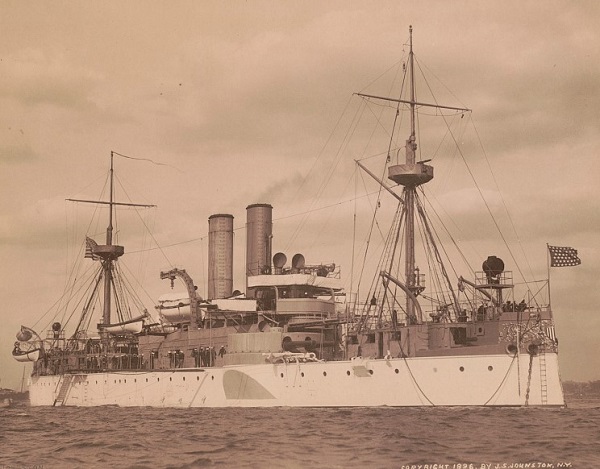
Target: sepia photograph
[291,234]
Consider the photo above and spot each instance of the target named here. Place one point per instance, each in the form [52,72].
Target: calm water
[112,437]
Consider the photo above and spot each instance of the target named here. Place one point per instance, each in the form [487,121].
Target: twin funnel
[259,237]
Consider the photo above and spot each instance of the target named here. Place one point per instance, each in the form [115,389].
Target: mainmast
[410,185]
[111,202]
[410,175]
[411,149]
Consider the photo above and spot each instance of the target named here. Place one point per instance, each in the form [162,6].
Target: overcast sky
[240,102]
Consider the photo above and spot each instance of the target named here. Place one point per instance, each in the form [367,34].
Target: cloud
[36,77]
[19,152]
[39,225]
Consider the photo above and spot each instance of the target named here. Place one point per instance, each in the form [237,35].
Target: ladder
[543,380]
[64,389]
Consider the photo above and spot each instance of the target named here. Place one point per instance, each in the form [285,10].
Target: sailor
[202,356]
[480,313]
[213,356]
[359,351]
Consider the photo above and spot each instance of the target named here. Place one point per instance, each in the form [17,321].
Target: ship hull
[470,380]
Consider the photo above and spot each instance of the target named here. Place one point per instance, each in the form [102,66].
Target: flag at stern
[563,256]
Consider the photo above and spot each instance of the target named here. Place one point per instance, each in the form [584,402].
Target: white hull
[485,380]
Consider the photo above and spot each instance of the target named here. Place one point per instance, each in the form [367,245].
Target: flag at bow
[90,245]
[563,256]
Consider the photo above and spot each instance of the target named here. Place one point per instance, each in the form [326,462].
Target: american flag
[90,244]
[563,256]
[549,330]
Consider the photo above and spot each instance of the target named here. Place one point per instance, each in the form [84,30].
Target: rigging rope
[436,252]
[147,159]
[505,209]
[404,355]
[503,380]
[329,173]
[486,203]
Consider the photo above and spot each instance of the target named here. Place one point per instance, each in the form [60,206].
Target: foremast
[410,175]
[109,252]
[112,252]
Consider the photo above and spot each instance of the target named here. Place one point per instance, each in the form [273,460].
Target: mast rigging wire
[147,159]
[504,205]
[487,206]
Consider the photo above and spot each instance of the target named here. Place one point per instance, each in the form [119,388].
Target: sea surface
[451,438]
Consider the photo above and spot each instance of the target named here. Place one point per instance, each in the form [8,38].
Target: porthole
[302,374]
[281,375]
[125,381]
[462,368]
[490,368]
[184,378]
[324,373]
[197,378]
[397,371]
[170,378]
[348,372]
[158,379]
[370,372]
[212,377]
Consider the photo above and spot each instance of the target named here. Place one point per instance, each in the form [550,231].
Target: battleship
[295,337]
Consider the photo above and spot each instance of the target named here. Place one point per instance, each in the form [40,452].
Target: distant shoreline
[14,395]
[582,389]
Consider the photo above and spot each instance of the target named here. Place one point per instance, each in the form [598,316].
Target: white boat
[131,326]
[24,350]
[27,356]
[293,340]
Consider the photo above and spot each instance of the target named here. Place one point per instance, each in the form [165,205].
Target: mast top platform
[108,251]
[411,175]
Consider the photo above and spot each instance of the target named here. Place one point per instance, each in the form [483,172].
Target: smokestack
[259,234]
[220,256]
